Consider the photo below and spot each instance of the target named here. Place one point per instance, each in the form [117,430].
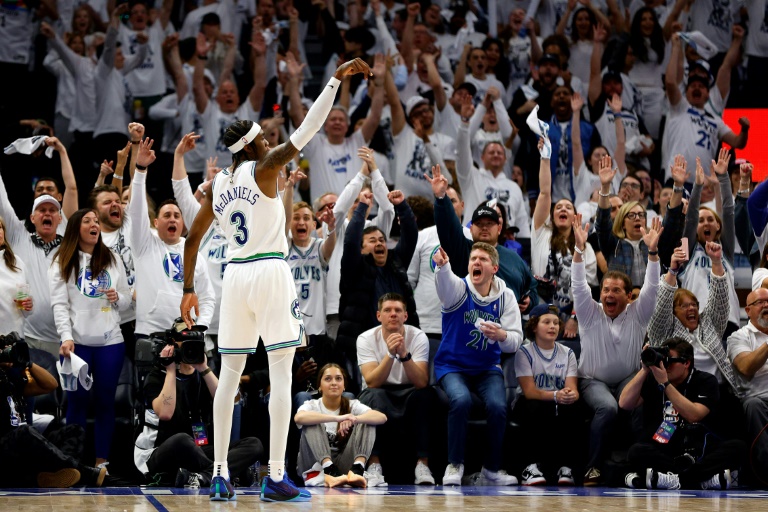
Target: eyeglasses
[627,184]
[669,360]
[688,305]
[636,215]
[758,303]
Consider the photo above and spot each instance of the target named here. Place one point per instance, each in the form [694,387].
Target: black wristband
[405,359]
[188,290]
[141,167]
[205,372]
[653,253]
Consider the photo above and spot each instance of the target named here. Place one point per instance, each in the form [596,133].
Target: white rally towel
[541,129]
[28,146]
[74,369]
[699,43]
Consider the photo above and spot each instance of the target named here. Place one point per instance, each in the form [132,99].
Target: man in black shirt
[30,459]
[177,440]
[678,446]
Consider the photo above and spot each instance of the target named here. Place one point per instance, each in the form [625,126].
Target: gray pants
[756,411]
[315,447]
[602,399]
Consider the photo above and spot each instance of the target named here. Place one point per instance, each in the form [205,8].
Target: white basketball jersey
[254,224]
[309,272]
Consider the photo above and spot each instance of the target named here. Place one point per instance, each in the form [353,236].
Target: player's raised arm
[268,167]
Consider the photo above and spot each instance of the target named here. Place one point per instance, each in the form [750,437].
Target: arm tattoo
[167,399]
[279,156]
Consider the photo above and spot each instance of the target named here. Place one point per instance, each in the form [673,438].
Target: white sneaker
[499,477]
[314,476]
[629,479]
[721,480]
[104,465]
[565,476]
[532,475]
[656,480]
[453,474]
[375,476]
[423,474]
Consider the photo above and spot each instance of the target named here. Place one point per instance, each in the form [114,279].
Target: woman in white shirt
[88,291]
[647,42]
[337,434]
[552,249]
[11,275]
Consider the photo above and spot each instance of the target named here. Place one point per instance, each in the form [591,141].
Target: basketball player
[258,292]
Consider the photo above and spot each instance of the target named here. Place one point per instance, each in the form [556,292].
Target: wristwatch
[663,386]
[406,358]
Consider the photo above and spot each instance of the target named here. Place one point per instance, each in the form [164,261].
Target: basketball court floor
[397,498]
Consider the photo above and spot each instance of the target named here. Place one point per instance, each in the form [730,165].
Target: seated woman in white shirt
[88,290]
[334,431]
[13,306]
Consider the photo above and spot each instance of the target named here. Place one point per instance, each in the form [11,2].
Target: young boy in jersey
[258,296]
[481,320]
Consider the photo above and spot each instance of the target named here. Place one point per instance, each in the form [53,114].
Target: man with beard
[105,200]
[690,129]
[748,351]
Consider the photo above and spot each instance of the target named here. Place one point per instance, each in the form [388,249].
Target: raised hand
[328,217]
[438,181]
[106,168]
[122,155]
[679,173]
[294,177]
[136,131]
[723,158]
[187,143]
[606,172]
[353,67]
[414,10]
[55,143]
[146,154]
[577,102]
[678,259]
[366,155]
[467,109]
[211,169]
[141,37]
[700,177]
[257,42]
[396,197]
[493,93]
[600,33]
[440,257]
[366,197]
[170,41]
[745,172]
[47,30]
[202,46]
[615,103]
[651,237]
[580,234]
[379,68]
[294,67]
[744,122]
[714,250]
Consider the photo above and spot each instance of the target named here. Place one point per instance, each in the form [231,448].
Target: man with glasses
[678,447]
[748,351]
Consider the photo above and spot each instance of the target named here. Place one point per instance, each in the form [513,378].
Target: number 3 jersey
[254,224]
[464,348]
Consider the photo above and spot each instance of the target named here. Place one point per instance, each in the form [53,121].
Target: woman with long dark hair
[88,290]
[647,42]
[14,303]
[337,434]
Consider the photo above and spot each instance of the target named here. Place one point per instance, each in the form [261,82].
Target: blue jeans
[105,364]
[490,387]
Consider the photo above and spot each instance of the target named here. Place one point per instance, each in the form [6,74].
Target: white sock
[280,377]
[232,366]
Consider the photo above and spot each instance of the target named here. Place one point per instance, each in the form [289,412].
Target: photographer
[36,461]
[678,447]
[177,440]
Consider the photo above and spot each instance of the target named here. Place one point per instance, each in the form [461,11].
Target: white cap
[45,198]
[413,102]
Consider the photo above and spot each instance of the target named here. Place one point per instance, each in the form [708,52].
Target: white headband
[246,139]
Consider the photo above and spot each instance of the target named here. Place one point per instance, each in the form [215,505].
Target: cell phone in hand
[684,245]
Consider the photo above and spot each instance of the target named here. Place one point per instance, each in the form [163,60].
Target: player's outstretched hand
[353,67]
[188,303]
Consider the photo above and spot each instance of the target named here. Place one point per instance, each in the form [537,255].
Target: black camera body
[14,350]
[652,356]
[192,348]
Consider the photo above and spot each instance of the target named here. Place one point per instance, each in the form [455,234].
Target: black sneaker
[282,491]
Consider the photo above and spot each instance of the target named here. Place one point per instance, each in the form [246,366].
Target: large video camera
[14,350]
[188,344]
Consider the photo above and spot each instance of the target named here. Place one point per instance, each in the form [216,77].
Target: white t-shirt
[483,85]
[749,339]
[413,162]
[11,318]
[355,408]
[691,132]
[16,32]
[149,78]
[119,243]
[549,368]
[578,64]
[758,277]
[331,166]
[224,9]
[372,348]
[757,37]
[714,19]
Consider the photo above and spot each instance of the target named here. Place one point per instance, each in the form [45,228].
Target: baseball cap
[45,198]
[550,57]
[485,212]
[697,78]
[469,87]
[703,65]
[543,309]
[612,74]
[413,102]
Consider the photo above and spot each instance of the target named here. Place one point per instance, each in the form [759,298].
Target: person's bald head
[757,308]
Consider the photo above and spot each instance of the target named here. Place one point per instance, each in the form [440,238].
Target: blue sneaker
[282,491]
[221,490]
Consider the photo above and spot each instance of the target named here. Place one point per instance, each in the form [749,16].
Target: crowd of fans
[524,197]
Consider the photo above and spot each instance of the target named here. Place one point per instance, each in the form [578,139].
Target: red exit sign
[757,146]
